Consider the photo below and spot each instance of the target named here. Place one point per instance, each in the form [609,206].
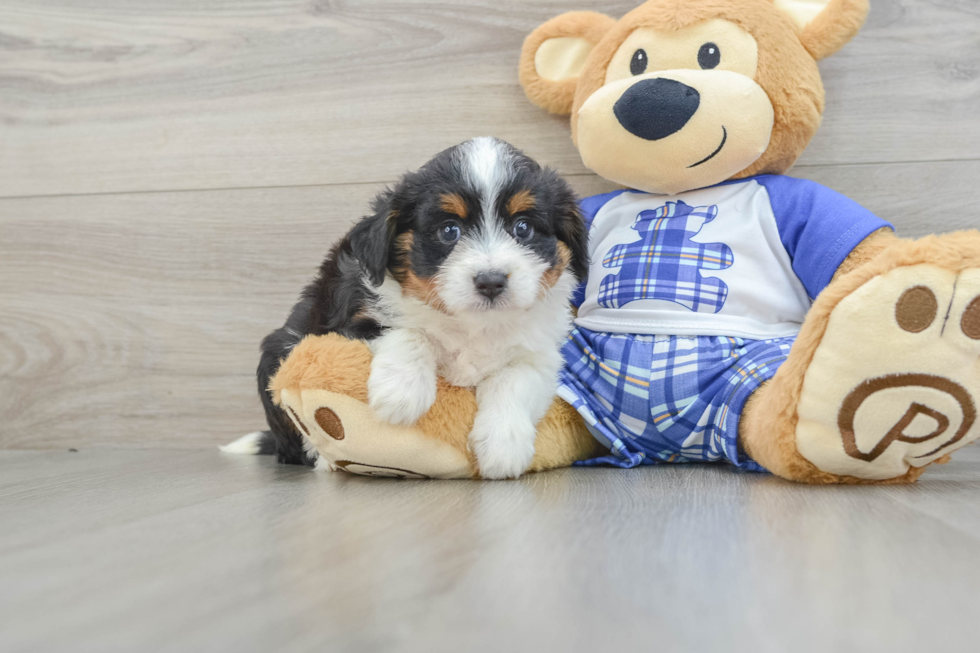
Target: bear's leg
[884,378]
[322,386]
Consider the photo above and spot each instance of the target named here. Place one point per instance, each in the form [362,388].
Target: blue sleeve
[818,227]
[589,207]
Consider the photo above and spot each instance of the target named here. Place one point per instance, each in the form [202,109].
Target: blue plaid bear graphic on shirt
[666,263]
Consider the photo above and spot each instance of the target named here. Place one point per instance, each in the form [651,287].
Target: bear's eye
[709,56]
[639,63]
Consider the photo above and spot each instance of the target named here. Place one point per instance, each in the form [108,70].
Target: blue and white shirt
[742,259]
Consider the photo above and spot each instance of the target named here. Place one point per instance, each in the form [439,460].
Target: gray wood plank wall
[172,172]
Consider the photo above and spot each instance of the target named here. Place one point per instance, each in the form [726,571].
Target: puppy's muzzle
[490,284]
[653,109]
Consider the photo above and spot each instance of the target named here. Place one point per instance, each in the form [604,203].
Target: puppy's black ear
[372,238]
[570,229]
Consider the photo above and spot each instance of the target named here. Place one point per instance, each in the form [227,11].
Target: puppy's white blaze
[247,444]
[469,346]
[490,249]
[486,166]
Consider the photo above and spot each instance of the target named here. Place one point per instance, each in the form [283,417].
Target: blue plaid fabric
[654,399]
[666,263]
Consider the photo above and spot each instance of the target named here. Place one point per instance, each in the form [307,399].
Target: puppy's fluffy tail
[259,443]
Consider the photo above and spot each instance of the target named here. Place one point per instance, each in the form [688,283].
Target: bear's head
[683,94]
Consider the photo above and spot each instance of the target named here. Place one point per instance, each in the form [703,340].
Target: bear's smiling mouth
[724,139]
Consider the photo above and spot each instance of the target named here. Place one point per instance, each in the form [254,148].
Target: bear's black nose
[656,108]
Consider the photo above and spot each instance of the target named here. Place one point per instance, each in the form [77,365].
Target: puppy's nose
[490,284]
[656,108]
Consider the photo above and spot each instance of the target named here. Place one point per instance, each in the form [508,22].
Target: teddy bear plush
[731,313]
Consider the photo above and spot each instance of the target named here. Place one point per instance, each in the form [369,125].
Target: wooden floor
[171,173]
[200,551]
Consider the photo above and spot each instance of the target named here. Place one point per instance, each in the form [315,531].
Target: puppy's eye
[639,63]
[449,233]
[523,230]
[709,56]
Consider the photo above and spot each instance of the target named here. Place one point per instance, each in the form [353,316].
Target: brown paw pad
[895,380]
[971,320]
[330,423]
[916,309]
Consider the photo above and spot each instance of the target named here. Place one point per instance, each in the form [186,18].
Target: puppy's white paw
[400,395]
[503,444]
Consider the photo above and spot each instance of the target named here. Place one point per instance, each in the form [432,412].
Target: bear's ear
[554,55]
[825,25]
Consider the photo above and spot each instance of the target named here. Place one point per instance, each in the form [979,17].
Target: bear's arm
[869,248]
[823,231]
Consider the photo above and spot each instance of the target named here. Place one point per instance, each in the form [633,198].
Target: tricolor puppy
[464,270]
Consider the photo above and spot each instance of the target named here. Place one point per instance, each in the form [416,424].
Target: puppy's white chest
[466,365]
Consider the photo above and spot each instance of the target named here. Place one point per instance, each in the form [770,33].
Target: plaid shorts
[654,399]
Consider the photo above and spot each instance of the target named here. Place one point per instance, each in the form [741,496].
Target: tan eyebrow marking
[453,203]
[521,201]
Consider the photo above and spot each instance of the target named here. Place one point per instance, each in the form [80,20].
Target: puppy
[464,270]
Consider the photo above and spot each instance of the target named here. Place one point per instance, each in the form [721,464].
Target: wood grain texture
[136,95]
[134,320]
[171,174]
[194,551]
